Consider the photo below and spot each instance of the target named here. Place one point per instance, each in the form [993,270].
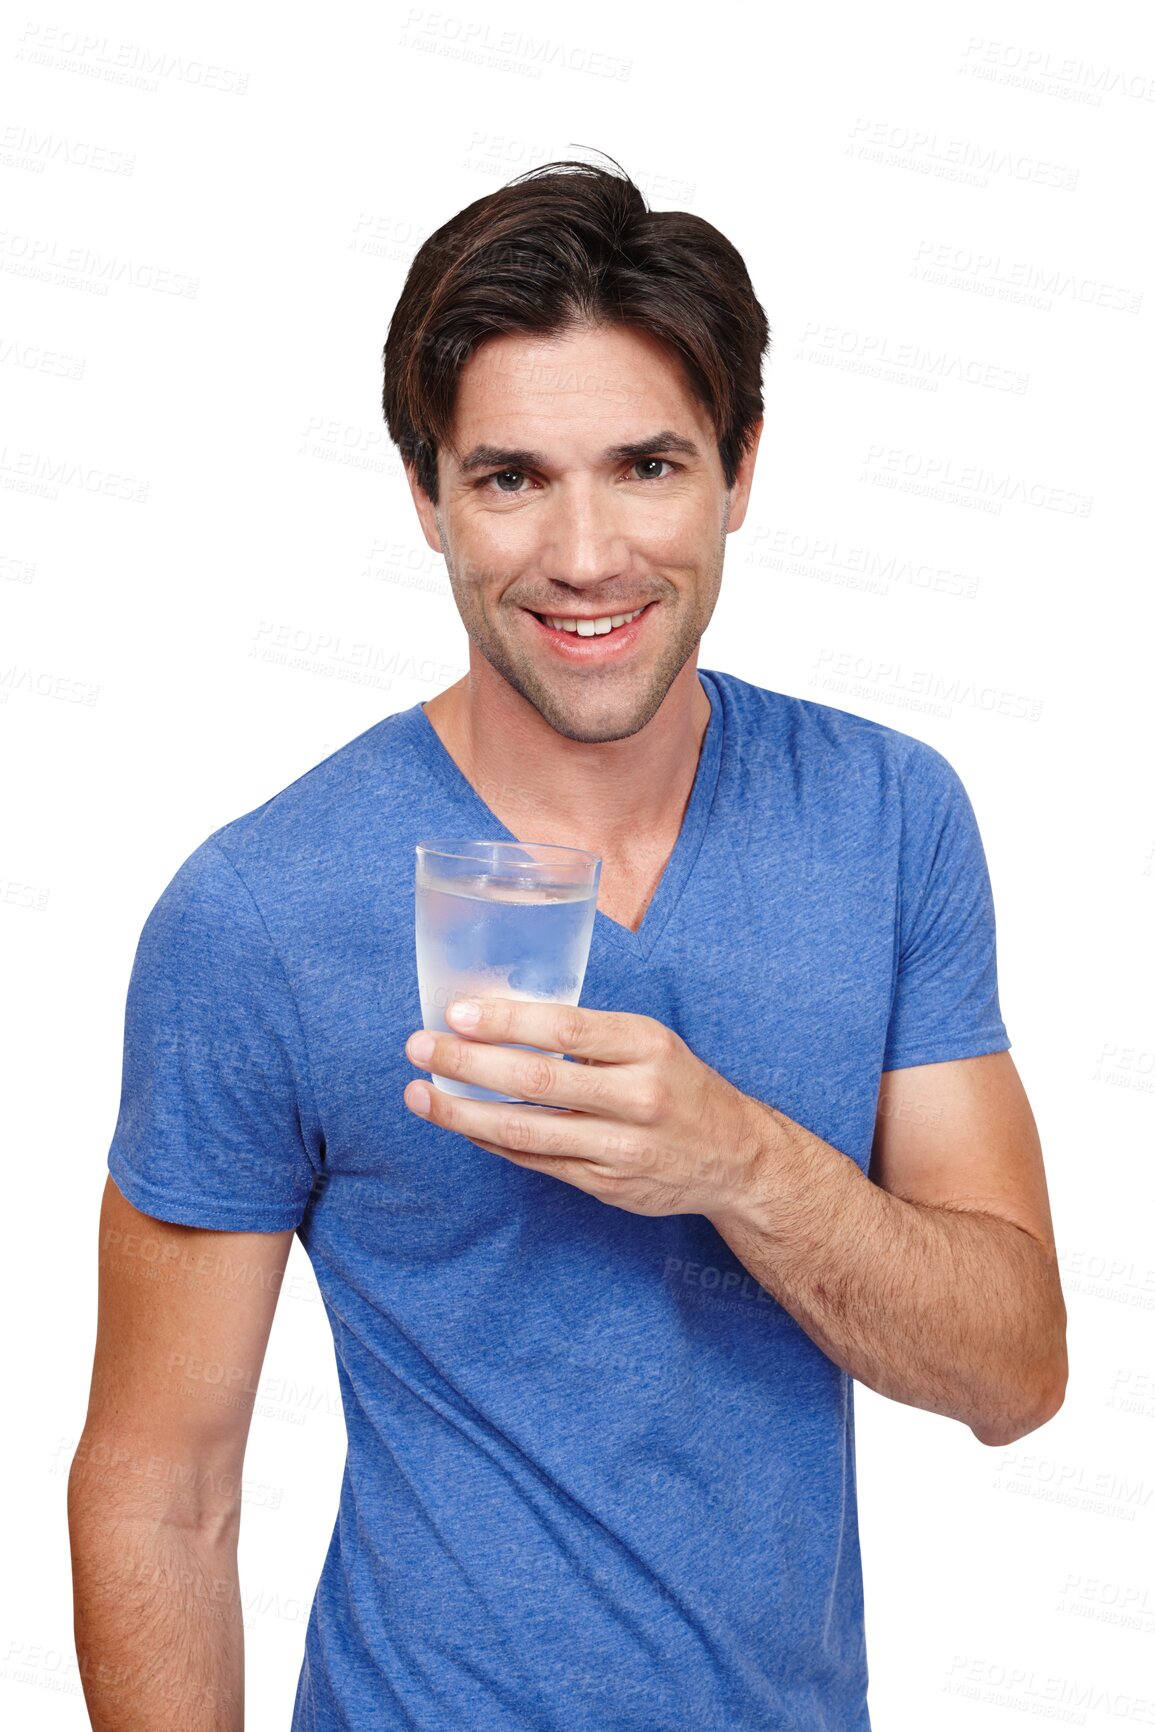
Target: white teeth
[591,627]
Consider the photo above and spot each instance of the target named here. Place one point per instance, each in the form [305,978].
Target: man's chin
[589,705]
[592,734]
[592,711]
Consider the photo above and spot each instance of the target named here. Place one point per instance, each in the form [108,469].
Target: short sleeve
[946,995]
[216,1102]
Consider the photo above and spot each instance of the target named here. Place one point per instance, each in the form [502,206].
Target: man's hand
[645,1124]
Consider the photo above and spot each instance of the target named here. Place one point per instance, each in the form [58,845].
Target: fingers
[606,1036]
[534,1134]
[524,1075]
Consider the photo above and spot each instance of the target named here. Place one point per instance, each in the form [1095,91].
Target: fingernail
[465,1012]
[419,1099]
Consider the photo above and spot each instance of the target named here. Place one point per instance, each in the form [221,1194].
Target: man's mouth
[586,626]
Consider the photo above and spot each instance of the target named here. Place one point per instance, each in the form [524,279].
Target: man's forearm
[159,1635]
[959,1313]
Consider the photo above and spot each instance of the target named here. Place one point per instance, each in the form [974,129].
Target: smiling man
[597,1349]
[586,562]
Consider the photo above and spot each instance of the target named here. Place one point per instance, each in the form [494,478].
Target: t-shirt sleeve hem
[944,1050]
[200,1211]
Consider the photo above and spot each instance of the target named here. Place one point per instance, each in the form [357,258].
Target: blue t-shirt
[597,1479]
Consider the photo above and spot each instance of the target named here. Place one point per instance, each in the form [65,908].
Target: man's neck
[619,798]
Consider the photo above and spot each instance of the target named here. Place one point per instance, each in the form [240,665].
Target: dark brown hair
[563,244]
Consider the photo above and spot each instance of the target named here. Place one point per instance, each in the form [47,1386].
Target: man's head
[574,384]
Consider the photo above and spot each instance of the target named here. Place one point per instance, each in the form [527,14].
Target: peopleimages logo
[1046,1695]
[960,159]
[942,478]
[37,472]
[28,148]
[1021,282]
[506,49]
[47,259]
[878,356]
[1062,75]
[861,568]
[925,689]
[33,359]
[1130,1605]
[128,63]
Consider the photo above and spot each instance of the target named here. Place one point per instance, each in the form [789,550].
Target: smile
[588,627]
[595,638]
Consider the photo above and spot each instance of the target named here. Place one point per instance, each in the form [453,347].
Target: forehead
[605,378]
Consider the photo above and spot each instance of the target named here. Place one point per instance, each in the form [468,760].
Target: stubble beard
[586,704]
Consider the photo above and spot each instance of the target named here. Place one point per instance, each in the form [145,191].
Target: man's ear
[744,479]
[426,510]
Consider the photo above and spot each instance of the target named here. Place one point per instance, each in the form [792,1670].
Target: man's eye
[496,481]
[485,483]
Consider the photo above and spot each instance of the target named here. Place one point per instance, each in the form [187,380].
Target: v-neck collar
[639,944]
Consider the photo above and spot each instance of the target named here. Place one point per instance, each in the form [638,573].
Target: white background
[945,213]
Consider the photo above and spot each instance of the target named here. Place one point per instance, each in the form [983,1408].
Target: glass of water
[501,920]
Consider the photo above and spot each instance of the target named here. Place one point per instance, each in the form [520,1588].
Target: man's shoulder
[323,820]
[818,736]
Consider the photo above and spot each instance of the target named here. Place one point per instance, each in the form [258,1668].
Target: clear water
[485,933]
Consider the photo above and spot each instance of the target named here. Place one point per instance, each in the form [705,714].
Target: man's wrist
[777,1176]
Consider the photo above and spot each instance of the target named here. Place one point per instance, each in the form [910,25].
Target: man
[596,1362]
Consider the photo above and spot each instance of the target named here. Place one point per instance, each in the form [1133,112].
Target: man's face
[540,514]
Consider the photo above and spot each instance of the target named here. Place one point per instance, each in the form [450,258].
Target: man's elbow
[1047,1399]
[998,1434]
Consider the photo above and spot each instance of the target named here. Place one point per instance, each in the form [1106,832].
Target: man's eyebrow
[506,457]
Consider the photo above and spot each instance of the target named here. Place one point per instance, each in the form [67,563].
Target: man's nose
[583,537]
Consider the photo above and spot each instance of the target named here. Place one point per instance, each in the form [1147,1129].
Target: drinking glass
[502,920]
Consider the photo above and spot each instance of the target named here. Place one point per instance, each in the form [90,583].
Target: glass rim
[450,848]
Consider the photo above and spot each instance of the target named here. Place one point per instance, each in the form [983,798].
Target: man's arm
[154,1491]
[934,1280]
